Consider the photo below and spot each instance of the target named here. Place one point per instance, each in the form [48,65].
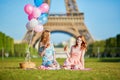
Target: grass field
[102,69]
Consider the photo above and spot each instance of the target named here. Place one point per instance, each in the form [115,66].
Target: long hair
[83,44]
[45,38]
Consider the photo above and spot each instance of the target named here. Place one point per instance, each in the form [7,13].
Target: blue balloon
[44,15]
[43,18]
[38,2]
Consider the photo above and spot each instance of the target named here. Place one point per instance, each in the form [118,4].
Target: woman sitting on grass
[46,51]
[75,59]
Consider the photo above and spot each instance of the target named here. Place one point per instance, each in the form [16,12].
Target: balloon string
[31,38]
[27,58]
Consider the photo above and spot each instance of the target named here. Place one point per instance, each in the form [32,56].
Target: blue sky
[101,17]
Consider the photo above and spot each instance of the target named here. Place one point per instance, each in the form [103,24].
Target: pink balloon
[38,28]
[31,17]
[28,9]
[44,8]
[36,12]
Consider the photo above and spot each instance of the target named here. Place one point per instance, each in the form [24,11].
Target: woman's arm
[82,58]
[42,50]
[42,53]
[66,51]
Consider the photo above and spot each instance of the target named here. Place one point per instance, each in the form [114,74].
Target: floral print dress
[48,58]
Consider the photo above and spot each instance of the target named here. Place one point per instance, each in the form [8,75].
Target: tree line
[105,48]
[7,46]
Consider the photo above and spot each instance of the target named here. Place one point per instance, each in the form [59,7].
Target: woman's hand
[66,48]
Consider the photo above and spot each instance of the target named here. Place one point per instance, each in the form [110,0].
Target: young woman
[47,52]
[75,59]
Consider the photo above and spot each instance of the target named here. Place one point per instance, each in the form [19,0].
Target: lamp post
[98,51]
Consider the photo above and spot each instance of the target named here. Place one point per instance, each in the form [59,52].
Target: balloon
[44,8]
[33,23]
[28,26]
[38,28]
[43,19]
[28,9]
[38,2]
[31,17]
[36,12]
[44,15]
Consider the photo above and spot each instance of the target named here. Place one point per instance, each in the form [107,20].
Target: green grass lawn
[102,69]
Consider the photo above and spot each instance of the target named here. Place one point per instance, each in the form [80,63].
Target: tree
[93,48]
[118,45]
[111,47]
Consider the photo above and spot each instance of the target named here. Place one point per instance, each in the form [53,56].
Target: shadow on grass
[109,60]
[11,67]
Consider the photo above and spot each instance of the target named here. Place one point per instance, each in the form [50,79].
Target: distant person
[47,52]
[75,58]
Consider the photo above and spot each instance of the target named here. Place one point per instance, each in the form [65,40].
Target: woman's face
[79,41]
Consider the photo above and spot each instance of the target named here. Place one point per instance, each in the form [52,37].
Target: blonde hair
[45,38]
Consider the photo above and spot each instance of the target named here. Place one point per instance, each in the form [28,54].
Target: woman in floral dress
[47,52]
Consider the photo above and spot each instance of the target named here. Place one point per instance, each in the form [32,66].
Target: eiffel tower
[72,23]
